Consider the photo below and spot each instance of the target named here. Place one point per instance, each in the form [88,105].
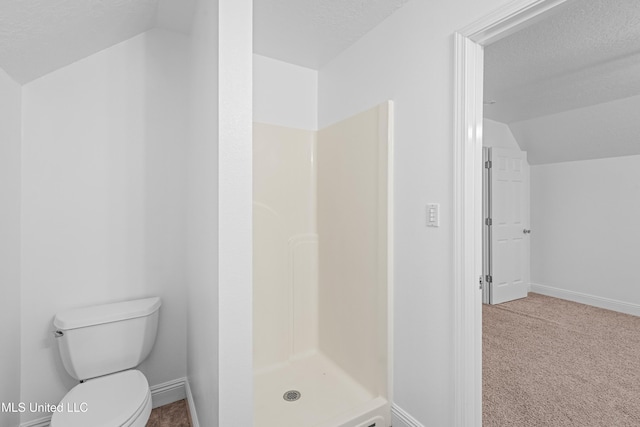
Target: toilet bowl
[100,346]
[116,400]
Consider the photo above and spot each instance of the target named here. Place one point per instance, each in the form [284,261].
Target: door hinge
[488,279]
[481,282]
[488,222]
[488,164]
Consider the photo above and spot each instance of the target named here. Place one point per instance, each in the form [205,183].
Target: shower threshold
[327,395]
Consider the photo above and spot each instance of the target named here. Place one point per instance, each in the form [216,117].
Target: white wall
[10,139]
[284,94]
[202,218]
[219,243]
[235,220]
[496,134]
[408,59]
[585,228]
[103,200]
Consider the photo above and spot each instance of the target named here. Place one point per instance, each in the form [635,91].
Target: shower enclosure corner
[323,273]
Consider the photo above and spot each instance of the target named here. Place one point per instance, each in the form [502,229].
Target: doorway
[468,171]
[506,225]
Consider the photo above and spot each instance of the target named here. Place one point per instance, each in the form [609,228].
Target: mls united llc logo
[22,407]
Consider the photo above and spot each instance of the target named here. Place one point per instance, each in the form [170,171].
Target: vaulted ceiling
[568,86]
[39,36]
[562,83]
[312,32]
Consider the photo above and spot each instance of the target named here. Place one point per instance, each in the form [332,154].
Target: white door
[508,227]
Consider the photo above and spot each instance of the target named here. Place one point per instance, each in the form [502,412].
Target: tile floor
[175,414]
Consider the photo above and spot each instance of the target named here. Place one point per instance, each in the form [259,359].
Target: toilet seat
[117,400]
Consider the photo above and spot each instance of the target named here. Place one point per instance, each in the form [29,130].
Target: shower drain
[291,395]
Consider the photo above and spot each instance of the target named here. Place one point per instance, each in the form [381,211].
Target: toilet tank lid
[106,313]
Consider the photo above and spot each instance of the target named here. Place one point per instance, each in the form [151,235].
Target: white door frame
[467,204]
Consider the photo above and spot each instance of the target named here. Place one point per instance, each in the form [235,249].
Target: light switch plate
[433,215]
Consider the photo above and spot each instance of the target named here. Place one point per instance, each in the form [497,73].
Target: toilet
[100,346]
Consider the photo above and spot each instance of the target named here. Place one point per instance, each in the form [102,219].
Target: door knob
[525,231]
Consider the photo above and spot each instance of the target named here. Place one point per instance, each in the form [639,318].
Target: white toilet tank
[108,338]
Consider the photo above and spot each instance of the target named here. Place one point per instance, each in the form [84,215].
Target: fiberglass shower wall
[321,268]
[353,205]
[285,245]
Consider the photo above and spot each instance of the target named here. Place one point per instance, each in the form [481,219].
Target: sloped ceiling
[309,33]
[40,36]
[609,129]
[586,55]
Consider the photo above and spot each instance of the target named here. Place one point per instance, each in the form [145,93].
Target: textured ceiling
[586,54]
[560,83]
[312,32]
[609,129]
[40,36]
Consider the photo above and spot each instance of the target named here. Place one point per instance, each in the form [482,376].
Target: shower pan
[322,273]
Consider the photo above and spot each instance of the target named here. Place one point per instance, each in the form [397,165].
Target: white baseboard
[161,394]
[40,422]
[400,418]
[596,301]
[192,406]
[169,392]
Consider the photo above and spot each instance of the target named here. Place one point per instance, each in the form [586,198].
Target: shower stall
[322,273]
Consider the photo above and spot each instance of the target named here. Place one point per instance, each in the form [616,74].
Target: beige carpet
[550,362]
